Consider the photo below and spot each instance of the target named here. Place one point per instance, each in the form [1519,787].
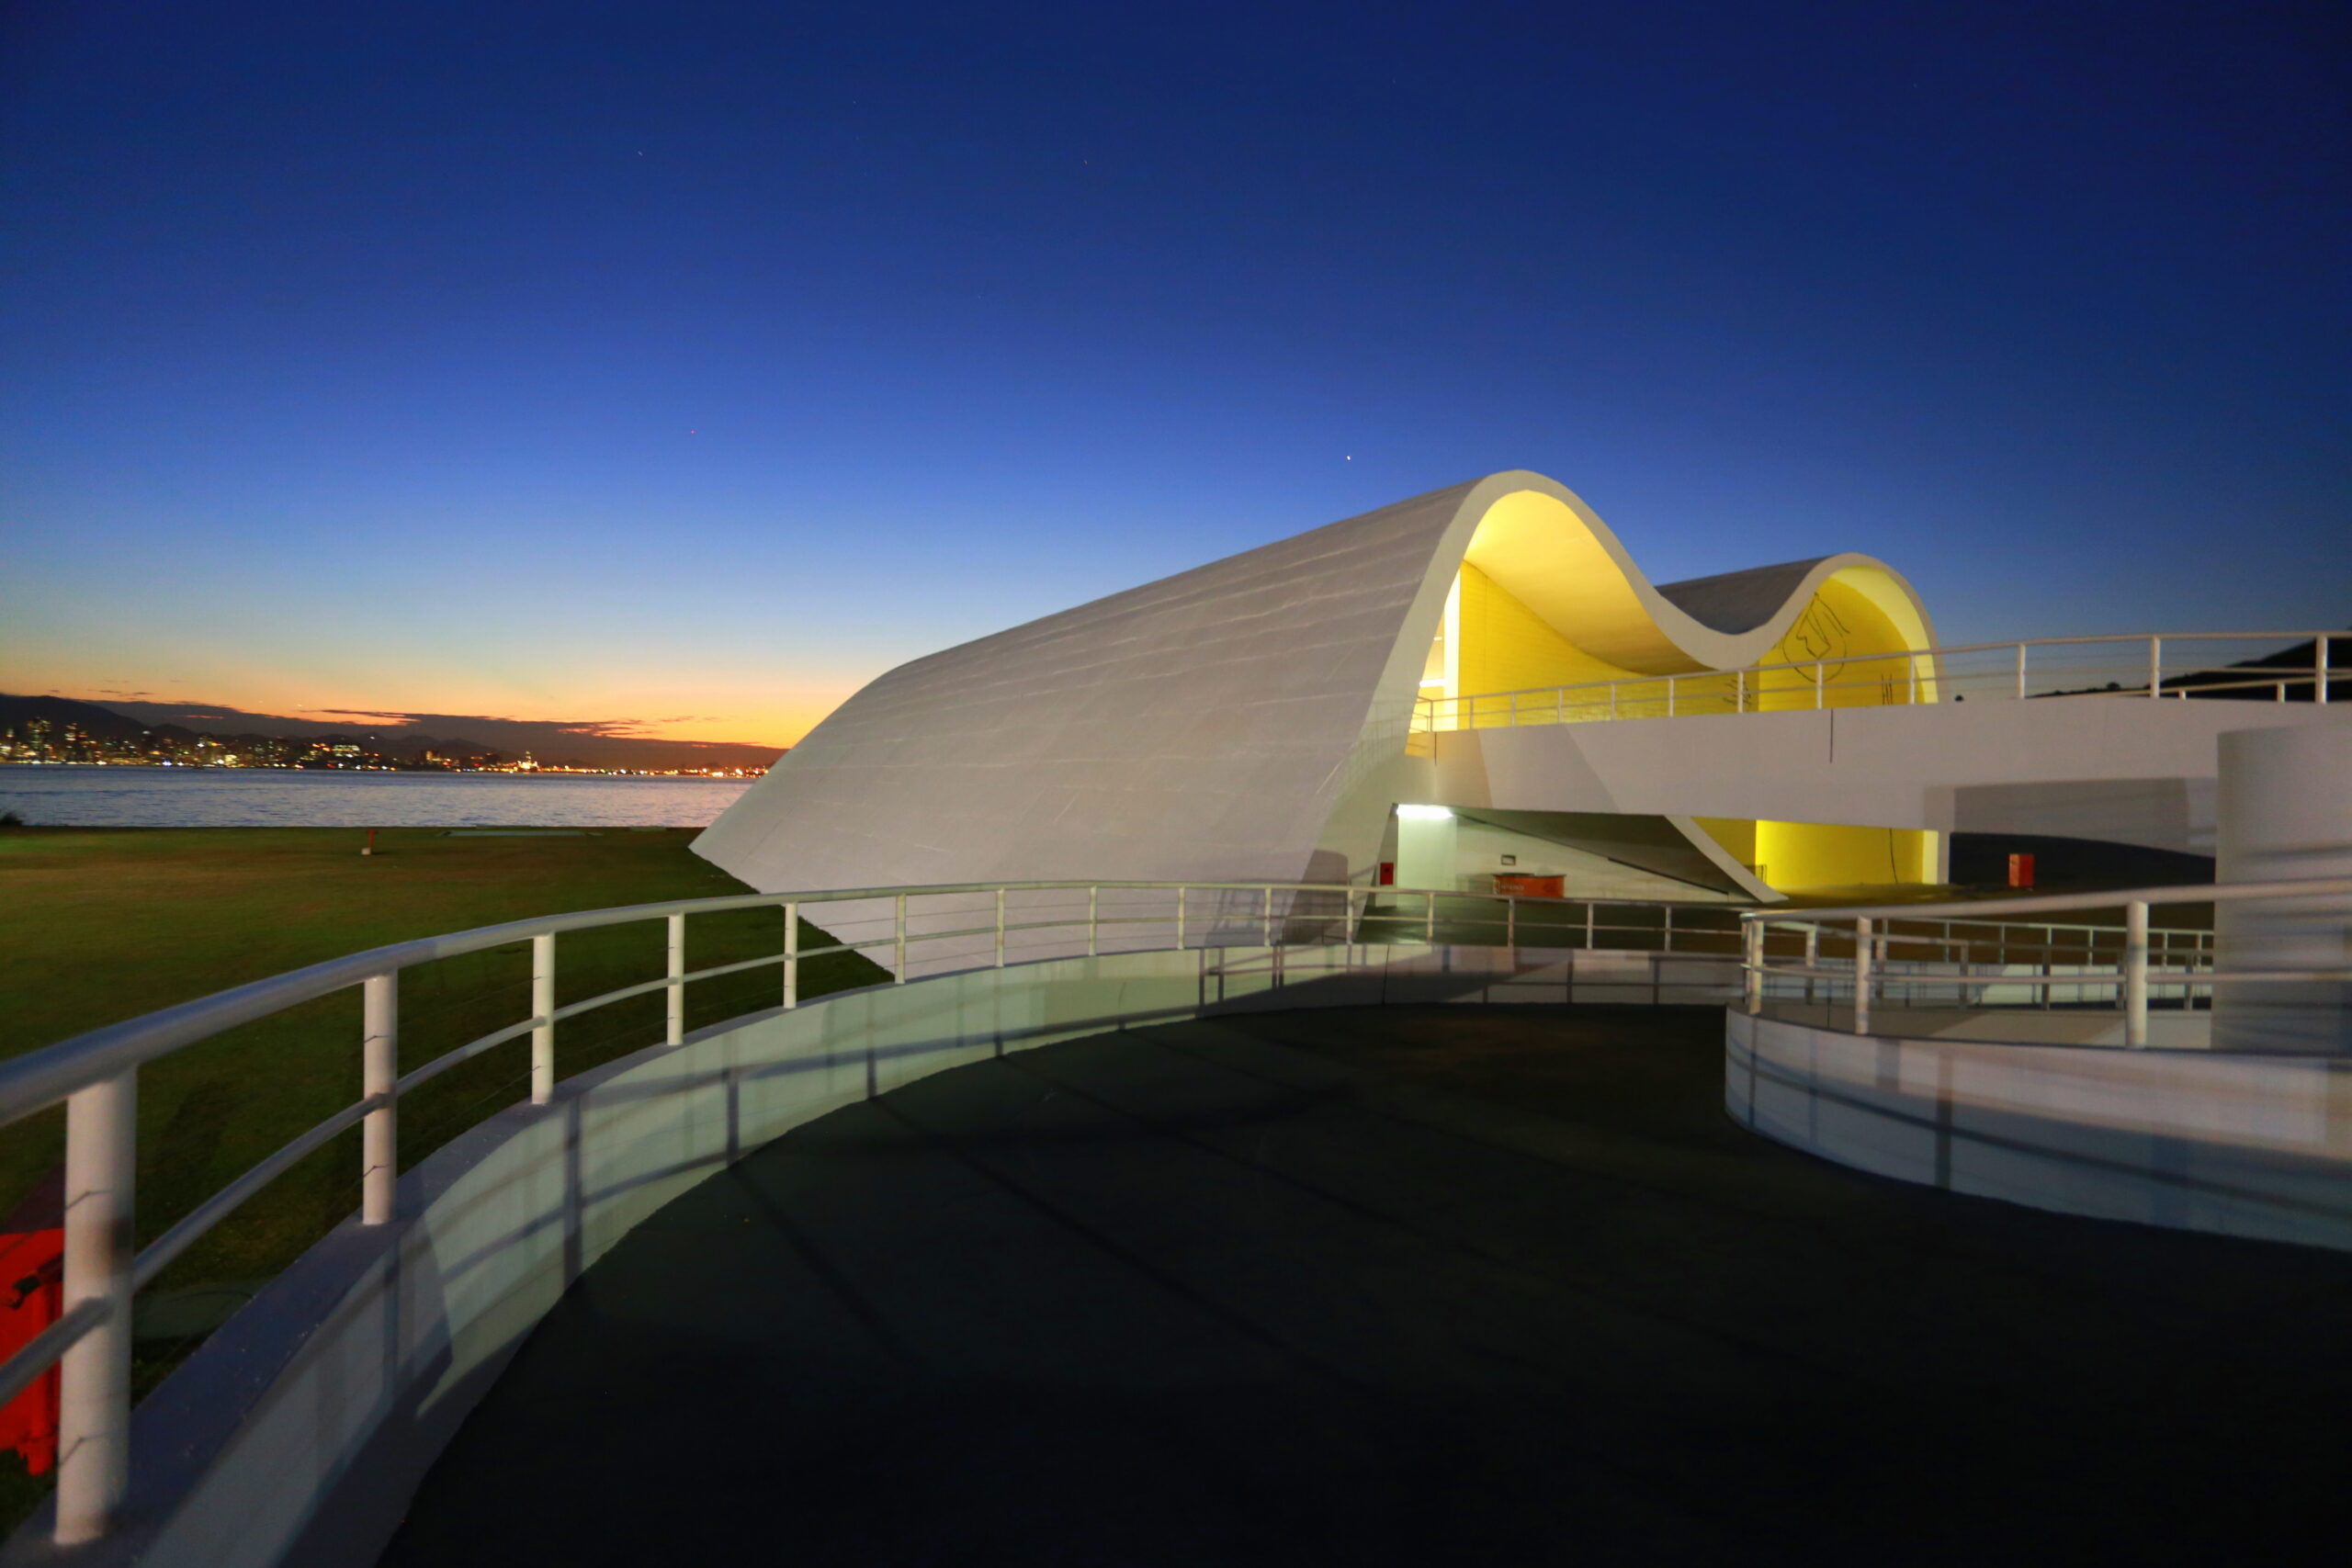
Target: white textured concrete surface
[2285,816]
[2109,768]
[298,1432]
[2240,1145]
[2170,1029]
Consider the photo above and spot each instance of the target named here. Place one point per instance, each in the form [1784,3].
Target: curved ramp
[1413,1286]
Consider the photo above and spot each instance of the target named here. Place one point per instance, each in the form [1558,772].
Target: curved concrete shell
[1248,719]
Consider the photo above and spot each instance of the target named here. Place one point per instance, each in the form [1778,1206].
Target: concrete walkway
[1408,1285]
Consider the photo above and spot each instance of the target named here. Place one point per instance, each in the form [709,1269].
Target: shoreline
[396,773]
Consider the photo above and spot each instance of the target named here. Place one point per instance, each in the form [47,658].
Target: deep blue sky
[665,360]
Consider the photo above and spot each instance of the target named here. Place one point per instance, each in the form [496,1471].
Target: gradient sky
[694,363]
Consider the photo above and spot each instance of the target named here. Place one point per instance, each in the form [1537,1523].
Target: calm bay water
[281,797]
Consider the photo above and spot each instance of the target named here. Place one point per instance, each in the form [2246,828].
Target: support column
[2284,814]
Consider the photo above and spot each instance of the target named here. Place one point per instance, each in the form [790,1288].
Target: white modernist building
[1264,716]
[1469,684]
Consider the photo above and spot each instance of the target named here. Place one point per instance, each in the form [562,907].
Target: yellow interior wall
[1503,645]
[1736,834]
[1790,856]
[1794,855]
[1860,647]
[1859,625]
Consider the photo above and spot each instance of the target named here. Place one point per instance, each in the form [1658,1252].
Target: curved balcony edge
[2243,1144]
[297,1434]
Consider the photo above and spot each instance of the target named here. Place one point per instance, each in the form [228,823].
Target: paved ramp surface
[1407,1285]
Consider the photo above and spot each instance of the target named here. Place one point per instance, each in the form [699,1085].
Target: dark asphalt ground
[1400,1285]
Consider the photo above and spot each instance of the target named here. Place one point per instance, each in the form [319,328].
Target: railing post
[1740,691]
[1862,976]
[1820,682]
[2155,666]
[1668,911]
[676,994]
[1428,917]
[1588,925]
[1812,958]
[2135,972]
[543,1009]
[1670,697]
[792,956]
[1913,662]
[1752,946]
[1093,921]
[379,1074]
[1269,934]
[1511,921]
[1613,699]
[2020,672]
[2319,667]
[94,1406]
[1180,916]
[898,939]
[1000,927]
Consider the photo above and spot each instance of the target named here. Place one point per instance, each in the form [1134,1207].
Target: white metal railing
[2138,960]
[2135,666]
[95,1075]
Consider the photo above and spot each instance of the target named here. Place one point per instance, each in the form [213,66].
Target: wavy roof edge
[1221,722]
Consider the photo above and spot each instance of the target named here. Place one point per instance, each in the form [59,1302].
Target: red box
[31,1298]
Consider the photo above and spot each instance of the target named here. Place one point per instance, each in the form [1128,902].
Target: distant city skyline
[677,369]
[34,729]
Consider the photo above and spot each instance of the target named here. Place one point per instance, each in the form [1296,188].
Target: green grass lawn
[101,925]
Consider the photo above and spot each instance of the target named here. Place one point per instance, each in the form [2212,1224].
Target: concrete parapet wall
[2097,767]
[298,1431]
[2240,1145]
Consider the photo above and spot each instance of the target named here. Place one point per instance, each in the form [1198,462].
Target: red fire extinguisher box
[2021,871]
[32,1293]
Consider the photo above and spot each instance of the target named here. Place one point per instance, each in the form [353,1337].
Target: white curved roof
[1206,726]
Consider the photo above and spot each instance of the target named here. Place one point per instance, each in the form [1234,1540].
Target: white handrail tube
[676,1033]
[1752,939]
[94,1406]
[1862,976]
[1922,665]
[380,1072]
[543,1005]
[792,956]
[2135,972]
